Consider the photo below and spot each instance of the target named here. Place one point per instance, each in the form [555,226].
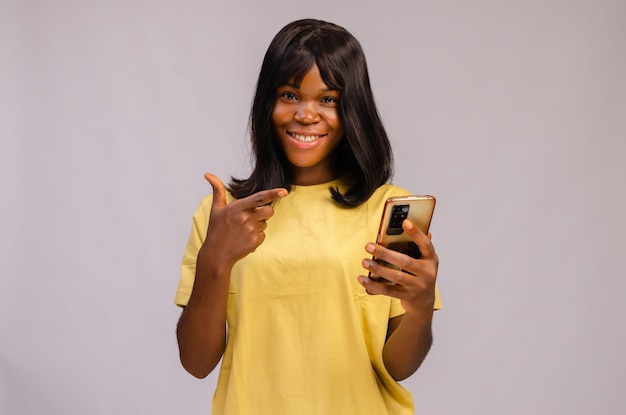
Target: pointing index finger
[263,198]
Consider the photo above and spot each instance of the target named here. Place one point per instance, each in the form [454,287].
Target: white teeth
[305,138]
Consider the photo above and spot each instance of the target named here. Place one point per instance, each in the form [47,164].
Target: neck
[312,176]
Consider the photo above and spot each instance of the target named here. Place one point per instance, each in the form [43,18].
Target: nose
[307,113]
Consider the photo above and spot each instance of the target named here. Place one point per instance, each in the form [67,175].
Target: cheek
[338,127]
[332,119]
[280,114]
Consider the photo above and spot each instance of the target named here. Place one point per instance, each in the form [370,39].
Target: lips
[305,141]
[305,138]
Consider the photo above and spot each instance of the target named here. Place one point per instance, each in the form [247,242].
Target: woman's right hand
[237,228]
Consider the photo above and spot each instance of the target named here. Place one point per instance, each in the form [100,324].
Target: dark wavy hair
[364,152]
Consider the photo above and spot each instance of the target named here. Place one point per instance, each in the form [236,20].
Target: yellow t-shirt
[303,335]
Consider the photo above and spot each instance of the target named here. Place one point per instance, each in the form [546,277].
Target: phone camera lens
[398,214]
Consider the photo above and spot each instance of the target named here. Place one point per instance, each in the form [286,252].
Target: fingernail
[370,248]
[282,193]
[409,225]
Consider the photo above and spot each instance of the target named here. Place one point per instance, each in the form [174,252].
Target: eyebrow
[321,90]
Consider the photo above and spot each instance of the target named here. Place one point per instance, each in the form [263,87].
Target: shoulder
[204,208]
[386,191]
[377,200]
[207,200]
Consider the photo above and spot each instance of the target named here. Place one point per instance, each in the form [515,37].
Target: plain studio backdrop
[512,113]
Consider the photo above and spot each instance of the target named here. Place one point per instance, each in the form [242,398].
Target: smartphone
[416,208]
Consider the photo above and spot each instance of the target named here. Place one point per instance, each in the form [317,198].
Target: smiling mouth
[305,138]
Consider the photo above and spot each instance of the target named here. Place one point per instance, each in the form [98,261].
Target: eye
[329,100]
[289,96]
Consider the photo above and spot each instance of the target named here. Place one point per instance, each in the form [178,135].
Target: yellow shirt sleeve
[199,225]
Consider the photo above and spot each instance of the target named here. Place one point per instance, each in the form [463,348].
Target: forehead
[310,77]
[294,65]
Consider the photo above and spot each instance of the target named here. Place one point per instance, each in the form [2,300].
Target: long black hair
[364,152]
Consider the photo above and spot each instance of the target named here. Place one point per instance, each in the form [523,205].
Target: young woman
[271,280]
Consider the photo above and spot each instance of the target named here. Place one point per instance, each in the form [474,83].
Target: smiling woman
[309,129]
[336,59]
[270,280]
[512,115]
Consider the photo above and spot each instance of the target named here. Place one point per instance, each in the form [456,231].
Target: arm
[410,335]
[407,346]
[234,230]
[201,329]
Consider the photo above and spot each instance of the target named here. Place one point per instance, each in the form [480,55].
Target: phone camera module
[398,214]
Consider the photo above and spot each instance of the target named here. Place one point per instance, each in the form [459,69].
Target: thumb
[410,228]
[219,191]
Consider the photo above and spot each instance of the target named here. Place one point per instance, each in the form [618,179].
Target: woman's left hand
[414,282]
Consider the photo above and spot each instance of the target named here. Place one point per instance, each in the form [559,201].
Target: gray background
[511,113]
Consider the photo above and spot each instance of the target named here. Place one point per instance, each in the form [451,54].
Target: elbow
[196,372]
[198,369]
[197,361]
[199,355]
[401,374]
[402,364]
